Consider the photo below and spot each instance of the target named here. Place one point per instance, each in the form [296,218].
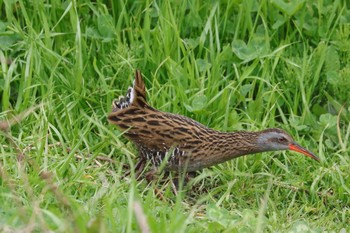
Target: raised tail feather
[135,95]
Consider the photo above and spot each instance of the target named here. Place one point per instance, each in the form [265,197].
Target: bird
[183,144]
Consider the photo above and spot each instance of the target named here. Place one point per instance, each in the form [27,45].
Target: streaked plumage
[188,144]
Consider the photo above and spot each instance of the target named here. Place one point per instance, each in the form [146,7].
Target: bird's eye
[282,139]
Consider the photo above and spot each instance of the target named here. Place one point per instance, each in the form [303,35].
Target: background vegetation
[231,65]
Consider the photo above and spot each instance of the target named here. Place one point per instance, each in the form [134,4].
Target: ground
[231,65]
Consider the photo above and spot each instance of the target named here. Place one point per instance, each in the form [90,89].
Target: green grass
[233,65]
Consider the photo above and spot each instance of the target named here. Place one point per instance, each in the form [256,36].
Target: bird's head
[278,139]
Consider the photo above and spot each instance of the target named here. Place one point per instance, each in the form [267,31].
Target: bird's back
[157,133]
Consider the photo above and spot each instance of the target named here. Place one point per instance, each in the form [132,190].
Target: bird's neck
[226,146]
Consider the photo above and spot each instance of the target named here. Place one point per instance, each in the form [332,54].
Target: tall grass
[231,65]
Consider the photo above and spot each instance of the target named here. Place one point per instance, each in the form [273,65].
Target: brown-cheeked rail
[186,144]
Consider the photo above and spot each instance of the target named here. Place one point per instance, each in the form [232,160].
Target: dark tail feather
[135,95]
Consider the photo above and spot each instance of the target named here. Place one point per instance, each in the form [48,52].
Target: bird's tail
[136,95]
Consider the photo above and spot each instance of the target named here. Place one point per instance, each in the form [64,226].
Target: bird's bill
[302,150]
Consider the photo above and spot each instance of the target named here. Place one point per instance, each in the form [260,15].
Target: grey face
[274,139]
